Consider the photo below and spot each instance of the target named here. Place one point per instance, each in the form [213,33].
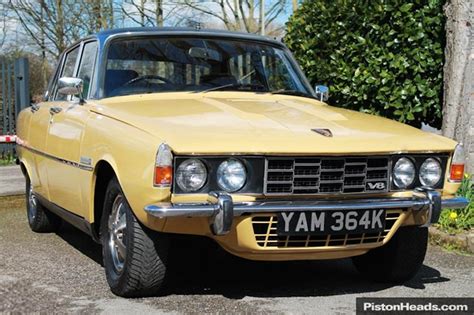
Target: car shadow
[197,265]
[81,241]
[205,268]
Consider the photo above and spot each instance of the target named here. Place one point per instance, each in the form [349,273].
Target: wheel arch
[103,173]
[26,169]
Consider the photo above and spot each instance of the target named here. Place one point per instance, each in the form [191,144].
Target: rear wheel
[398,260]
[40,219]
[134,257]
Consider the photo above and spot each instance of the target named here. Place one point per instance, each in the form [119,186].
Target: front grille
[326,175]
[265,230]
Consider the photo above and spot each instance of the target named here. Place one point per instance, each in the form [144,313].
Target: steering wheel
[148,77]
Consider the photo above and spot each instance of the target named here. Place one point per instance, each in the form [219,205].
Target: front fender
[131,154]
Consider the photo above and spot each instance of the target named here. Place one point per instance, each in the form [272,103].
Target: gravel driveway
[62,272]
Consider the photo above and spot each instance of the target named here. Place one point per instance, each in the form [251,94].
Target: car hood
[242,122]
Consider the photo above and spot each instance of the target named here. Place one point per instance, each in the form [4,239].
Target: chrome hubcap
[33,204]
[117,226]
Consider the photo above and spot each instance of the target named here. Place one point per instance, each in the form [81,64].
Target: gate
[15,95]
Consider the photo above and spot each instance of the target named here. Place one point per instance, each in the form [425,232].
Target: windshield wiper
[239,86]
[292,92]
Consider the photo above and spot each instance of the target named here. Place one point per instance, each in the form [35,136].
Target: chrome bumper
[221,209]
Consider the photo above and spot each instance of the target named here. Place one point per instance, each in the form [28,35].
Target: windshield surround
[281,50]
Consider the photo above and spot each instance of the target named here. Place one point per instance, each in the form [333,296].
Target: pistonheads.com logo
[452,306]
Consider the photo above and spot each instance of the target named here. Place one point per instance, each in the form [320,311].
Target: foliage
[460,219]
[7,159]
[380,57]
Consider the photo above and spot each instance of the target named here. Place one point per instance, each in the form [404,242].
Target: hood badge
[323,132]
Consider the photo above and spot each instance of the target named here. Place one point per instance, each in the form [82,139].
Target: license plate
[331,222]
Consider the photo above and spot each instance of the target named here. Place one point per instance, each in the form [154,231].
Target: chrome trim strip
[67,162]
[454,203]
[303,155]
[163,210]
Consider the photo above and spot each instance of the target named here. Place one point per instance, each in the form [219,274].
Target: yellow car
[148,133]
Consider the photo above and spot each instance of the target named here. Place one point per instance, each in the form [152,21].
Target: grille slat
[326,175]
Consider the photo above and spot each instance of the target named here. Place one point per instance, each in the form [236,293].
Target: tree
[151,12]
[458,105]
[44,22]
[55,24]
[238,15]
[3,24]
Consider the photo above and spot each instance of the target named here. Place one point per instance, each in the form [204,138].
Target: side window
[68,69]
[86,66]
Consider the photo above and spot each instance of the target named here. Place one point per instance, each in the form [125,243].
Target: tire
[134,257]
[398,260]
[40,219]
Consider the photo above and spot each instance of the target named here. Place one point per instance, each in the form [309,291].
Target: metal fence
[14,89]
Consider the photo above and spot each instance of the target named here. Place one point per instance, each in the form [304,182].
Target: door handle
[34,108]
[54,110]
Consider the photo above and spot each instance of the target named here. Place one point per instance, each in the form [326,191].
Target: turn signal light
[163,167]
[456,171]
[163,176]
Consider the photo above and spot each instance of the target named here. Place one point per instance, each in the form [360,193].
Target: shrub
[380,57]
[460,219]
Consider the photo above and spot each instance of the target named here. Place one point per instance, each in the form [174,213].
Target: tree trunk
[458,112]
[96,15]
[159,13]
[61,43]
[142,12]
[295,5]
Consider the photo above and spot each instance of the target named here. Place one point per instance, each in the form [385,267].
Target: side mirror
[322,92]
[71,86]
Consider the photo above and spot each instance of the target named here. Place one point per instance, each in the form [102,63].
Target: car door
[67,123]
[37,135]
[36,142]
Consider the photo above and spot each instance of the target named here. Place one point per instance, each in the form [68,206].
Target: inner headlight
[231,175]
[430,172]
[191,175]
[404,173]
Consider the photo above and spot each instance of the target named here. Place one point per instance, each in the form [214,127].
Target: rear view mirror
[205,53]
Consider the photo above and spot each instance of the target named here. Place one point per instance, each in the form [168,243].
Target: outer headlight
[191,175]
[231,175]
[404,172]
[430,172]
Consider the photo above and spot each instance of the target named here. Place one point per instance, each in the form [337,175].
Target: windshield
[144,65]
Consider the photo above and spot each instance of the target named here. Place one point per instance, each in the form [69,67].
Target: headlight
[191,175]
[231,175]
[404,172]
[430,172]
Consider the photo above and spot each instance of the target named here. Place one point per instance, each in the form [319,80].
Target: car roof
[104,36]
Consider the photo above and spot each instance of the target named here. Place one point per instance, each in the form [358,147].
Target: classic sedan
[148,133]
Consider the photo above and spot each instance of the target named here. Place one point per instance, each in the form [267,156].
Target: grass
[7,159]
[455,221]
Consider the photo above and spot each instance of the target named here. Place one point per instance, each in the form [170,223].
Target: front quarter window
[87,65]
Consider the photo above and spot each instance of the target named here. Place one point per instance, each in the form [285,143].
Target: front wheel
[134,257]
[398,260]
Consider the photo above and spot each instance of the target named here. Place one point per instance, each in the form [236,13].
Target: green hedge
[377,56]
